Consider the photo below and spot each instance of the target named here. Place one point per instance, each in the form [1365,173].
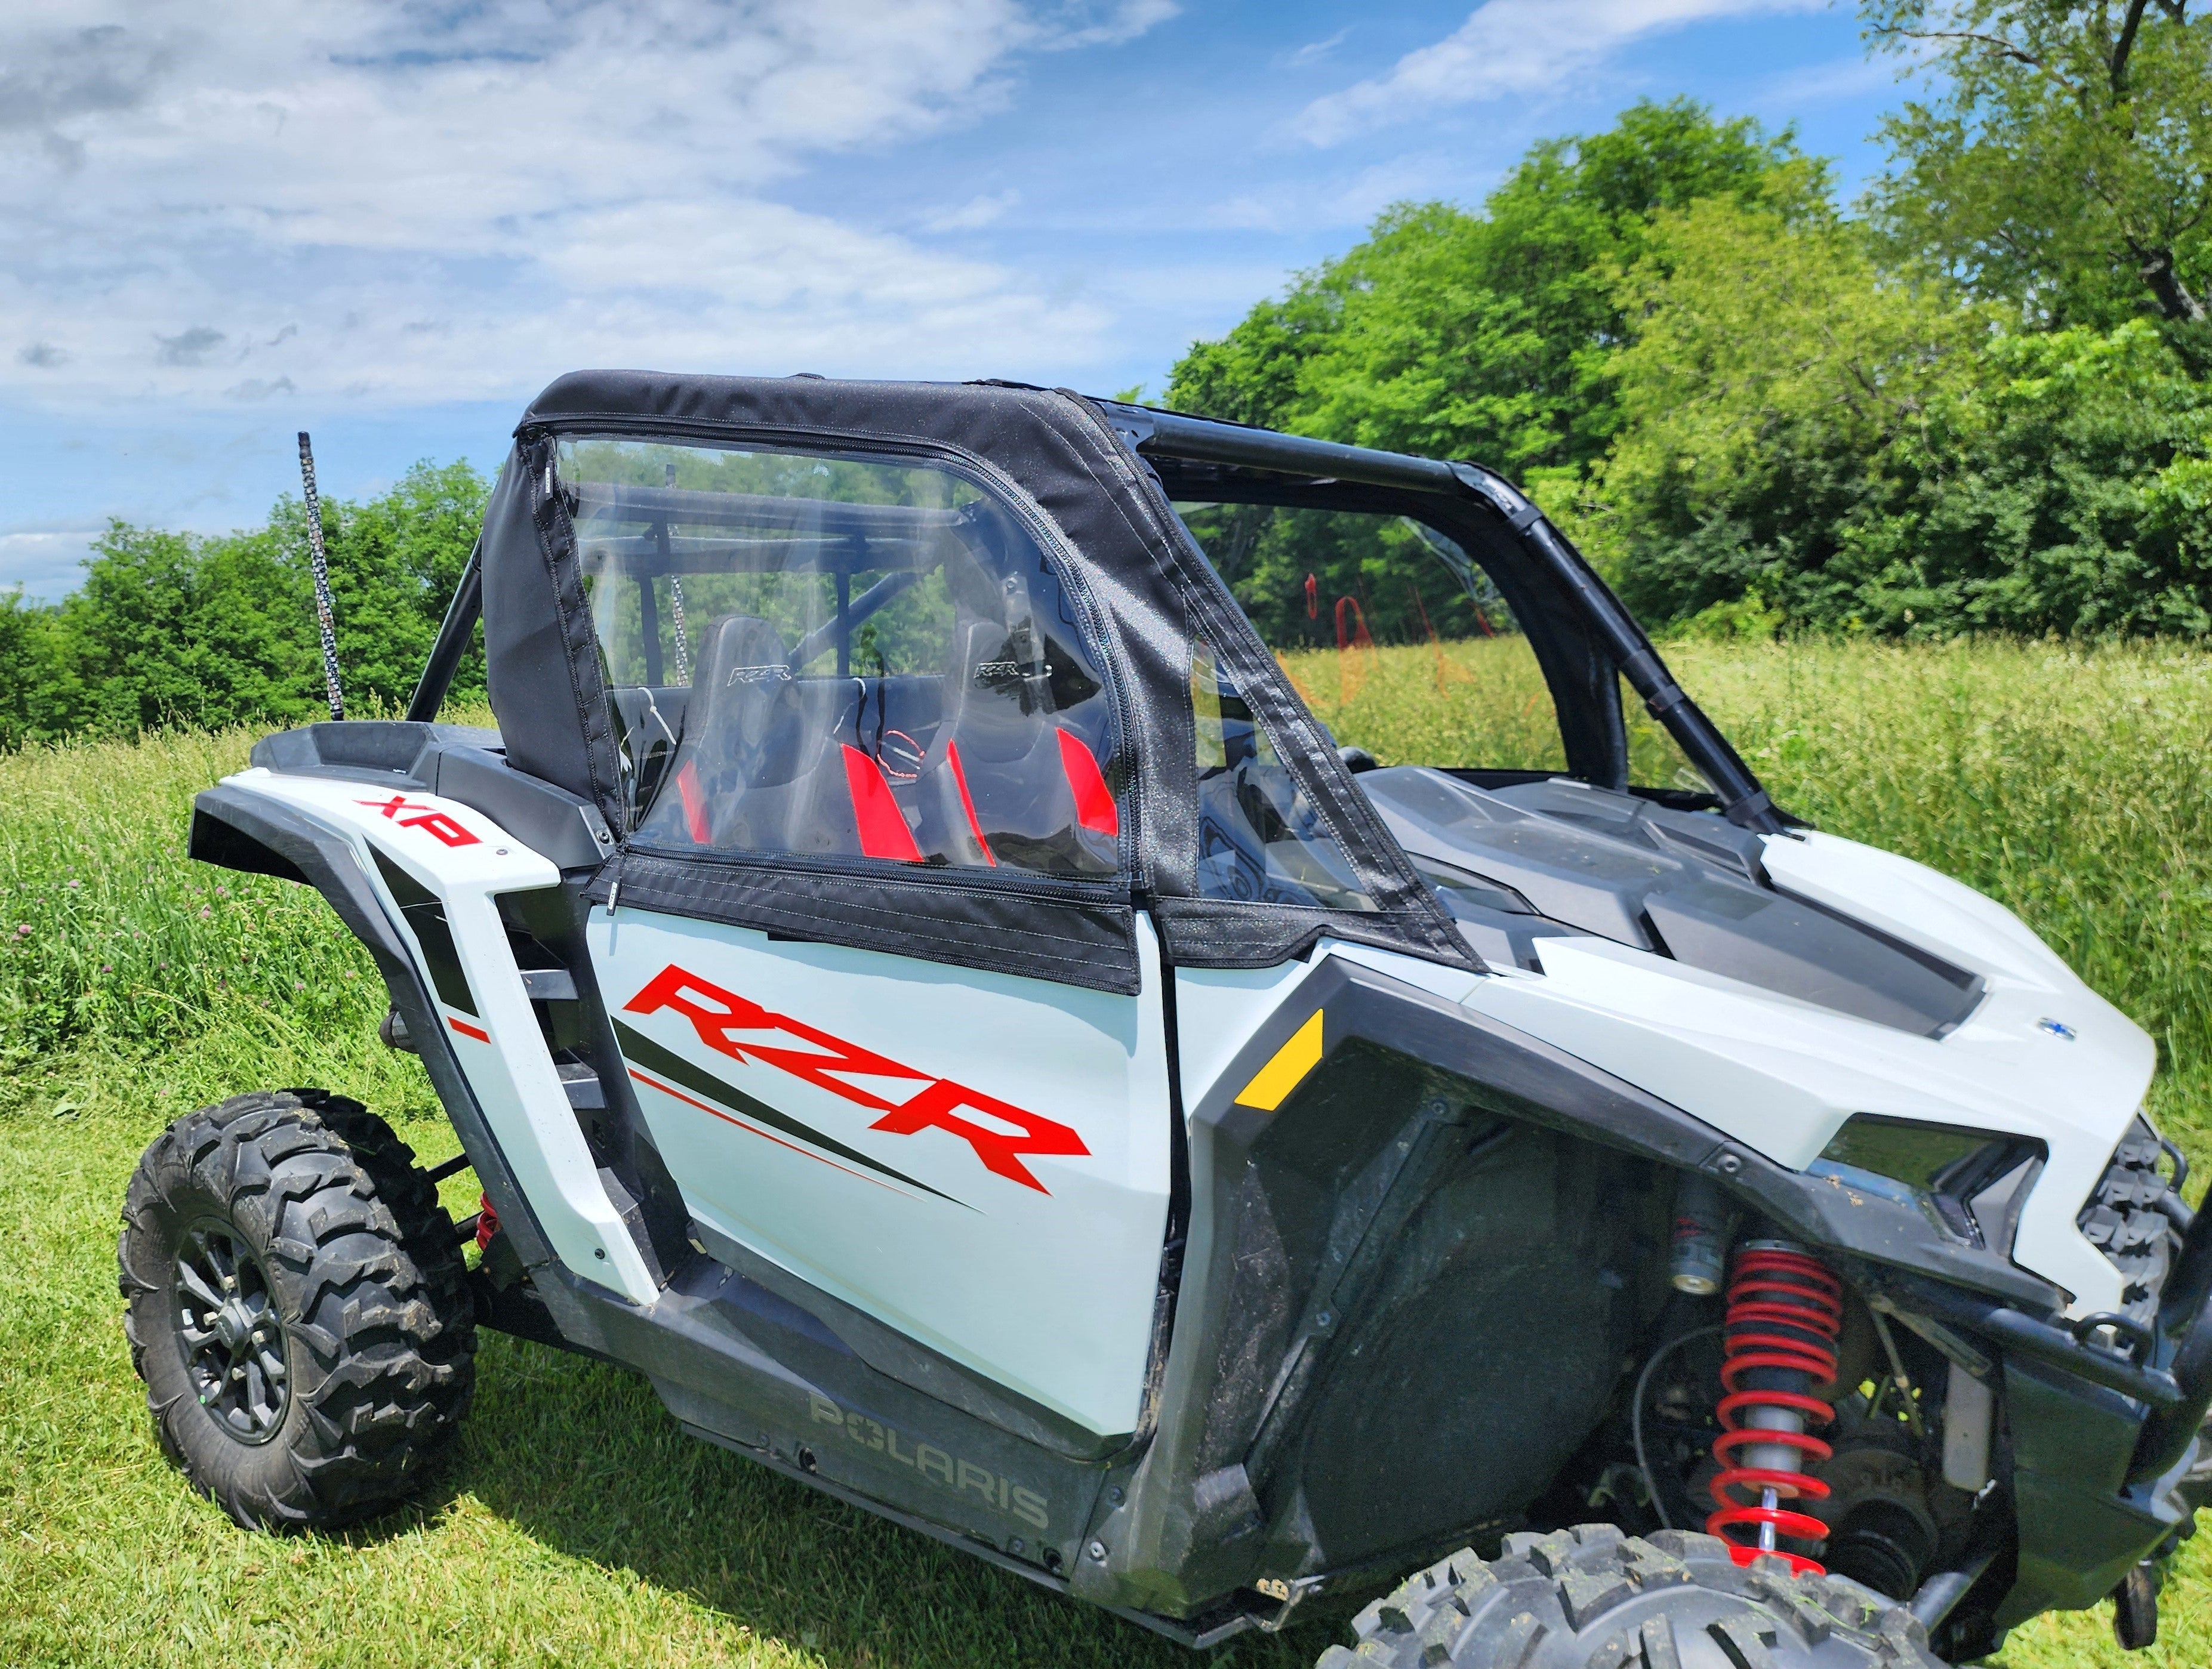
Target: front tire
[296,1307]
[1591,1599]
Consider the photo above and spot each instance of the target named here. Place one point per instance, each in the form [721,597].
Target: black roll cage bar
[1289,459]
[1279,461]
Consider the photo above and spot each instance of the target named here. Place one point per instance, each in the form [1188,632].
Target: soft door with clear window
[857,666]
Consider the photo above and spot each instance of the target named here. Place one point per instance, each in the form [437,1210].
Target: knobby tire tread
[372,1291]
[1591,1597]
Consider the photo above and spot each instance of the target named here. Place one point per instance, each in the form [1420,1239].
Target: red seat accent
[883,833]
[960,781]
[1094,805]
[695,803]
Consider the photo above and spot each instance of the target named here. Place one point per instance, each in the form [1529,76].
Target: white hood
[1781,1076]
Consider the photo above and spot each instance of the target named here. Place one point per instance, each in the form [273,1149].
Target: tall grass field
[576,1525]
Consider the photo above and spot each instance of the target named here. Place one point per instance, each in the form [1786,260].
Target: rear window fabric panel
[1069,468]
[541,657]
[1065,937]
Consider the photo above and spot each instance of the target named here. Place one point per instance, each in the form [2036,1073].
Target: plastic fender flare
[236,830]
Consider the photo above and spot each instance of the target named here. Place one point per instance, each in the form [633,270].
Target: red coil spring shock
[1785,1312]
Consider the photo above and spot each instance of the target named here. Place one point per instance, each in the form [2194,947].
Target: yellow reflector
[1272,1082]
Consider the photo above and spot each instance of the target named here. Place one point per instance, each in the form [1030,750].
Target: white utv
[913,979]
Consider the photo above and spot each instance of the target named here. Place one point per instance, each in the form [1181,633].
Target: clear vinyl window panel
[1391,634]
[840,657]
[1260,839]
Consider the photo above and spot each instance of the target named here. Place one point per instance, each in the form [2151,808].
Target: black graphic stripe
[637,1047]
[427,916]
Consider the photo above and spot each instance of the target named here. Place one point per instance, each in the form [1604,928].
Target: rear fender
[418,878]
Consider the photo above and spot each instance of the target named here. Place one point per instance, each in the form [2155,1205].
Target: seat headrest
[742,668]
[738,650]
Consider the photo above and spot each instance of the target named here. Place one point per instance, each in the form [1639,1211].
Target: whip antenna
[320,561]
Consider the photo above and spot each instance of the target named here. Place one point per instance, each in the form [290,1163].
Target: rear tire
[296,1307]
[1591,1599]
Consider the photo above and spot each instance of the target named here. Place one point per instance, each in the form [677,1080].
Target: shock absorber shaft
[1785,1313]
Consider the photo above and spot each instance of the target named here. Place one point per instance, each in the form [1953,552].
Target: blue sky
[389,223]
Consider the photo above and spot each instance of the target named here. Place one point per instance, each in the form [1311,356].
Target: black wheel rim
[231,1333]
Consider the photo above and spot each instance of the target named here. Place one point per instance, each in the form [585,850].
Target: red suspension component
[487,1219]
[1785,1313]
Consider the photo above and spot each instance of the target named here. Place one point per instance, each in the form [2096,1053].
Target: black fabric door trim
[1028,929]
[1222,932]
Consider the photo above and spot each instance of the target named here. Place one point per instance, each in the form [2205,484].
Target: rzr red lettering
[715,1014]
[998,1151]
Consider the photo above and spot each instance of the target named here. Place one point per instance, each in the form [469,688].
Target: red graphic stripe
[467,1031]
[695,802]
[688,1101]
[960,781]
[1094,804]
[883,833]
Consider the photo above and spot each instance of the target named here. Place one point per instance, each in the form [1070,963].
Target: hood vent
[1684,884]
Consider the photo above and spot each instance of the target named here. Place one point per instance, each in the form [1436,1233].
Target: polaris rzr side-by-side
[913,979]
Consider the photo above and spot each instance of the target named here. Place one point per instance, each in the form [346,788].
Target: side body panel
[979,1161]
[1217,1012]
[741,1365]
[424,847]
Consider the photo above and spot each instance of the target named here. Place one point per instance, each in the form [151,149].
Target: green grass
[576,1525]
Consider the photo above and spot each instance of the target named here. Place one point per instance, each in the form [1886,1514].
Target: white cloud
[1119,20]
[1508,47]
[973,215]
[1827,83]
[269,200]
[1315,51]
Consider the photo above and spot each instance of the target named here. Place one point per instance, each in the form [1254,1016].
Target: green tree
[2065,166]
[30,666]
[1863,453]
[395,562]
[1483,335]
[168,628]
[1461,335]
[178,628]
